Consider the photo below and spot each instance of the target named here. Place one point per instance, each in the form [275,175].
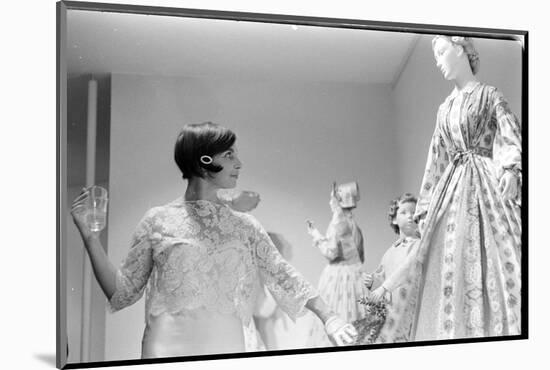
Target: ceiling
[103,42]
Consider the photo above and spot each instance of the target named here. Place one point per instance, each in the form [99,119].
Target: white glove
[340,332]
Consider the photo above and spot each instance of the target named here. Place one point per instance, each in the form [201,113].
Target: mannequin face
[447,57]
[404,218]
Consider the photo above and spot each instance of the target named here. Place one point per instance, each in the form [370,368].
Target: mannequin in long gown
[464,280]
[340,283]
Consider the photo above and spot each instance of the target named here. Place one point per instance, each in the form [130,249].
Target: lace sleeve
[287,286]
[133,274]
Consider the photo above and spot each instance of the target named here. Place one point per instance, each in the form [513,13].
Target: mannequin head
[455,56]
[401,214]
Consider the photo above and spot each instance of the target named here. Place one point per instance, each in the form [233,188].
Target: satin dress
[201,266]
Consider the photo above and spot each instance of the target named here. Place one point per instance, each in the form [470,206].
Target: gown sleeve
[507,142]
[134,271]
[328,245]
[437,162]
[288,287]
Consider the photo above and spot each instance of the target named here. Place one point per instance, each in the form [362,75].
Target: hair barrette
[206,159]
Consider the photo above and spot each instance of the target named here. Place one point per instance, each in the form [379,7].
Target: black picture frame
[61,146]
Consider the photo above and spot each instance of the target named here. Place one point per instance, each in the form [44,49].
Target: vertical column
[90,180]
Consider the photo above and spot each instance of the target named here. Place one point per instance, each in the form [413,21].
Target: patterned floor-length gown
[464,280]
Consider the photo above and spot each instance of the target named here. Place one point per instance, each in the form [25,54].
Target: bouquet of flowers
[368,328]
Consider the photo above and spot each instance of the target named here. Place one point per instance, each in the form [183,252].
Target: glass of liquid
[97,208]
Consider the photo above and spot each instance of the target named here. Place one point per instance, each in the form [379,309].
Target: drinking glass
[97,208]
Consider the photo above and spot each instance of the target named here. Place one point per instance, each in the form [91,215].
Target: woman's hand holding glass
[89,211]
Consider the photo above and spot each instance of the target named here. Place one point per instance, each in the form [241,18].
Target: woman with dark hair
[200,261]
[464,280]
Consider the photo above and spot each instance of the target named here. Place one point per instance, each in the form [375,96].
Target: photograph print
[238,184]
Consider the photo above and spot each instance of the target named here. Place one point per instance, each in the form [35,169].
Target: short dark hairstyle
[196,140]
[394,207]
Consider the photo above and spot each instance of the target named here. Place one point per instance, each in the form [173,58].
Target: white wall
[294,140]
[422,88]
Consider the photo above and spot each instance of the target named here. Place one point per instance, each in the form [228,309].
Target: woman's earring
[206,159]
